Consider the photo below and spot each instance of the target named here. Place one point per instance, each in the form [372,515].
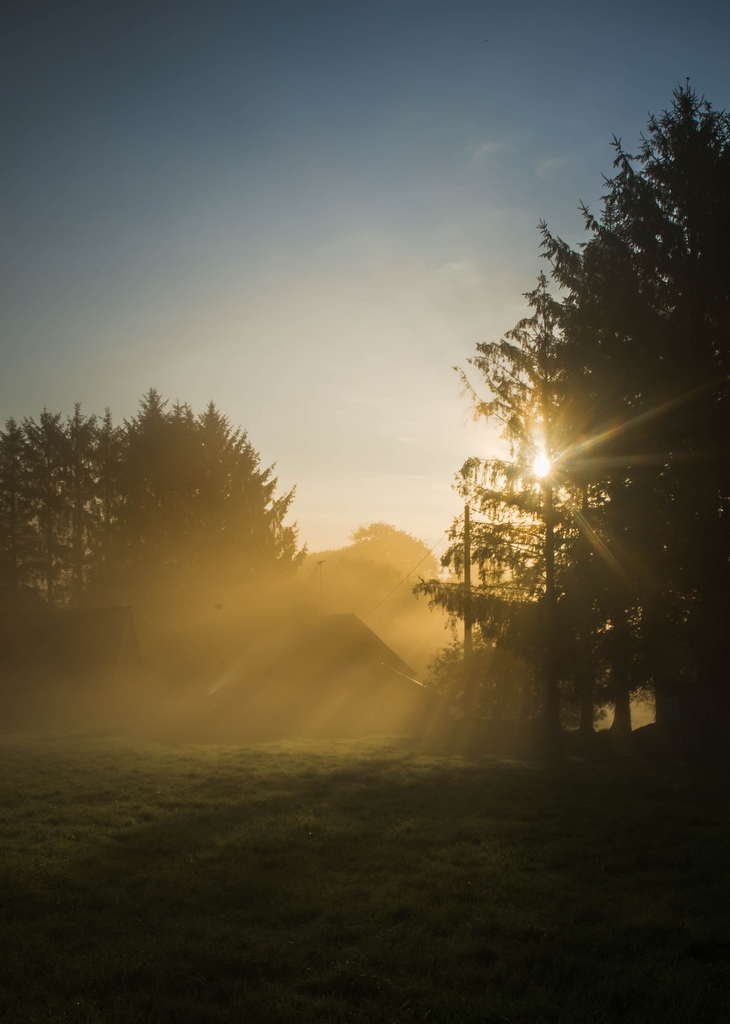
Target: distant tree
[387,545]
[168,511]
[81,438]
[108,458]
[186,506]
[46,461]
[379,560]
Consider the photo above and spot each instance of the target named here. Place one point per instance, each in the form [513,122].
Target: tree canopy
[630,507]
[168,506]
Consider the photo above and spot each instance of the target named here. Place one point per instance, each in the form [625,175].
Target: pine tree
[107,459]
[46,460]
[519,499]
[648,314]
[81,486]
[17,536]
[187,506]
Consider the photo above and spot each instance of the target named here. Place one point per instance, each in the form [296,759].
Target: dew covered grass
[361,881]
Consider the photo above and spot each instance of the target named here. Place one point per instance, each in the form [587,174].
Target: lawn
[358,881]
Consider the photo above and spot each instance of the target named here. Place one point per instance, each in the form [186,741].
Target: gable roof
[313,652]
[339,639]
[326,675]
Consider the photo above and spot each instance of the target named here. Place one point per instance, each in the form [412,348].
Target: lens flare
[541,465]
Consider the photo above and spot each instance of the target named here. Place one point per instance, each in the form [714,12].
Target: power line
[398,585]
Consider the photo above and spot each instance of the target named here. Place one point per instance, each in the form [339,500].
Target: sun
[541,465]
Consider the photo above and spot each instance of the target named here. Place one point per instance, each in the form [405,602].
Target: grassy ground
[357,881]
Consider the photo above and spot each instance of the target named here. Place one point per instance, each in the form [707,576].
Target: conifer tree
[158,510]
[107,458]
[186,502]
[81,491]
[45,453]
[17,535]
[519,498]
[648,313]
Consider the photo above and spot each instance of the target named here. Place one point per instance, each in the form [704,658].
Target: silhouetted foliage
[647,316]
[517,541]
[636,438]
[152,510]
[17,533]
[506,684]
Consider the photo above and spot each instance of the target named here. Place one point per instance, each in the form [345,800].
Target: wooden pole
[467,583]
[321,586]
[552,694]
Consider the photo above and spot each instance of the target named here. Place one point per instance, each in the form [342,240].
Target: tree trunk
[621,726]
[78,537]
[550,666]
[622,713]
[586,682]
[470,681]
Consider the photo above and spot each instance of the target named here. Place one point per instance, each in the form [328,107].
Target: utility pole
[469,679]
[467,583]
[552,693]
[321,592]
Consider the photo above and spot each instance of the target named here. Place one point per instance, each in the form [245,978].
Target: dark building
[63,669]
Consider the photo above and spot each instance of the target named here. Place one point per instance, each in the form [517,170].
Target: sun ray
[601,547]
[653,459]
[610,433]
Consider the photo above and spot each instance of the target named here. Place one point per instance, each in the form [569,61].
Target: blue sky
[309,212]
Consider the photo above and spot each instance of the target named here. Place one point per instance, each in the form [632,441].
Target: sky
[310,212]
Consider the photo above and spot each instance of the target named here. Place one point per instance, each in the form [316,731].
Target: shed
[63,668]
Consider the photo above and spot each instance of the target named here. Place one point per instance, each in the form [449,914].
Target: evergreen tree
[521,498]
[81,488]
[163,510]
[107,458]
[46,460]
[17,535]
[186,507]
[648,314]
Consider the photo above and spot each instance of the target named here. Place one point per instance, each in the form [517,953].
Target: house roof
[338,638]
[329,674]
[315,651]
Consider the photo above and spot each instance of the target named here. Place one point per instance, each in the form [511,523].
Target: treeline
[601,540]
[167,503]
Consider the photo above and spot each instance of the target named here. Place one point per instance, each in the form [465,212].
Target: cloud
[549,161]
[461,273]
[479,152]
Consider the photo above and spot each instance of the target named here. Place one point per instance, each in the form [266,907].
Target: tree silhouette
[648,315]
[45,454]
[17,535]
[518,499]
[164,507]
[81,485]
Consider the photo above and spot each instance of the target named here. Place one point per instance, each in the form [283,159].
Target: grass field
[357,881]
